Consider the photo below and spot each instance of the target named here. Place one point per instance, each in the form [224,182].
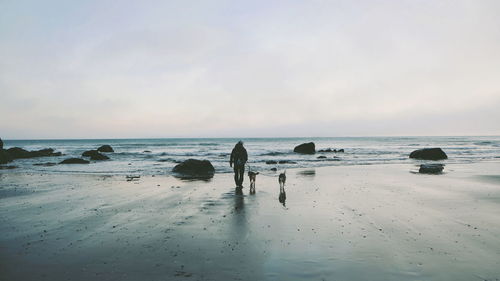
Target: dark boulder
[94,155]
[18,153]
[429,154]
[195,168]
[305,148]
[431,168]
[89,153]
[5,157]
[271,162]
[74,161]
[105,148]
[147,151]
[322,157]
[340,150]
[274,169]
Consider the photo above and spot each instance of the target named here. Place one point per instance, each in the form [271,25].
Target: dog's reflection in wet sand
[282,180]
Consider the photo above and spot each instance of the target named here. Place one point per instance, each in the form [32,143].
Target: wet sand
[379,222]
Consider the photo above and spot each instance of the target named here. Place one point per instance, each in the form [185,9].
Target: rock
[105,148]
[89,153]
[147,151]
[1,144]
[5,157]
[19,153]
[274,169]
[340,150]
[305,148]
[195,168]
[44,153]
[94,155]
[98,156]
[429,154]
[48,164]
[431,168]
[74,161]
[7,167]
[272,162]
[286,162]
[321,157]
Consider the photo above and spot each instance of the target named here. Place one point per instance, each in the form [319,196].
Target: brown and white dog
[252,176]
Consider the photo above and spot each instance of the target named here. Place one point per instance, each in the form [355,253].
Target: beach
[360,222]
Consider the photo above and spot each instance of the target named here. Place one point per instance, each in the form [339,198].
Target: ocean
[159,156]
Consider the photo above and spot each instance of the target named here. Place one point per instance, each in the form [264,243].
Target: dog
[282,180]
[252,176]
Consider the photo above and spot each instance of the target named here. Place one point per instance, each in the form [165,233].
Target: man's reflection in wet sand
[282,197]
[238,200]
[239,227]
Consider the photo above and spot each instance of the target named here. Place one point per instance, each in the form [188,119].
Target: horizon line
[247,137]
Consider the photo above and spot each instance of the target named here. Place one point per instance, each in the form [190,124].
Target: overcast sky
[118,69]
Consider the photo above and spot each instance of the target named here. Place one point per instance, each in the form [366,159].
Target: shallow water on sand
[377,222]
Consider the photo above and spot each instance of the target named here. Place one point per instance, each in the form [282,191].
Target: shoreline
[268,172]
[366,222]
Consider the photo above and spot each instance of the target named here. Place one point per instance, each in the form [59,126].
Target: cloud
[99,69]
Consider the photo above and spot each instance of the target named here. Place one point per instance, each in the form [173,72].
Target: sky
[141,69]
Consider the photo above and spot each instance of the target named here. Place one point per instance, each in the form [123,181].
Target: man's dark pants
[239,171]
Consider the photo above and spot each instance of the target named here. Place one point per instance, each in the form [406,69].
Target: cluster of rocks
[94,154]
[310,148]
[331,150]
[435,153]
[193,168]
[13,153]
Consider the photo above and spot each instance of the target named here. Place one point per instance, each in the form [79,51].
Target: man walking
[239,157]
